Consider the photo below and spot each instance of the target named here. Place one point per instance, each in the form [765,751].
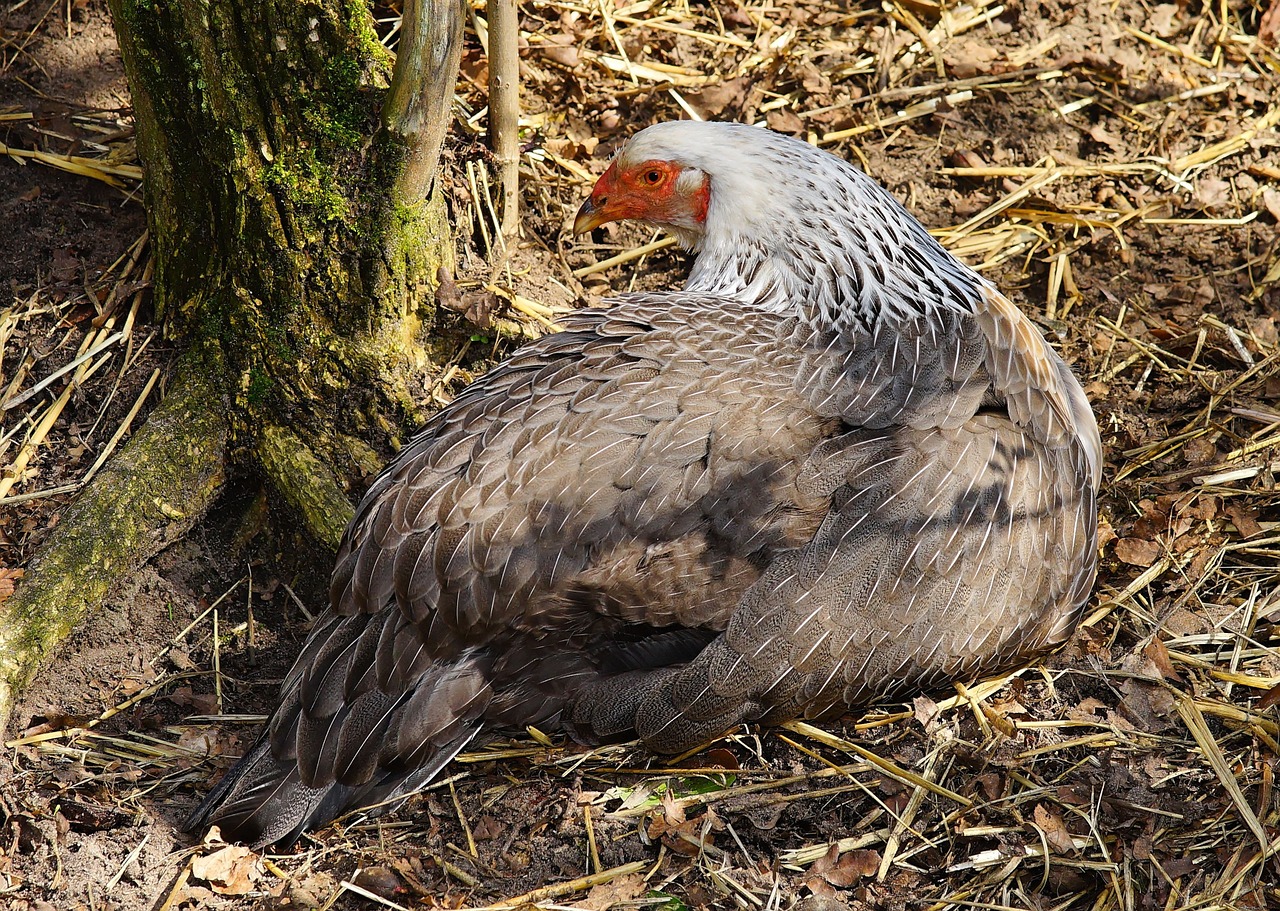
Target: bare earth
[1124,188]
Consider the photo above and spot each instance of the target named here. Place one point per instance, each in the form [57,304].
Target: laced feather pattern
[838,467]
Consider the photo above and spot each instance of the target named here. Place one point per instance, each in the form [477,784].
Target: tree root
[306,483]
[150,495]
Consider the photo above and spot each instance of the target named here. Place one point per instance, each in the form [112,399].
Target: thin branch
[504,106]
[415,116]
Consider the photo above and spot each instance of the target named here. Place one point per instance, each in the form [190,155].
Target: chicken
[838,467]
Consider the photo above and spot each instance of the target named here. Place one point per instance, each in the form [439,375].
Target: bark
[275,233]
[297,242]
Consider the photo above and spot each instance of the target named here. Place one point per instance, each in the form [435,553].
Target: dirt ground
[1116,170]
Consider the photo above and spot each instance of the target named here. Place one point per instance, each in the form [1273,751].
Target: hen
[838,467]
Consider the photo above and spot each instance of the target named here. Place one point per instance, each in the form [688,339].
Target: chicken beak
[590,216]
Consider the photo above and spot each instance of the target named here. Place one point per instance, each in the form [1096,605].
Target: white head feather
[789,225]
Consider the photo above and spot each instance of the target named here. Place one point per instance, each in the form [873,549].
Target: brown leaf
[714,99]
[615,892]
[7,578]
[1137,551]
[567,57]
[968,57]
[1055,830]
[233,870]
[991,784]
[926,711]
[853,866]
[1242,517]
[720,758]
[846,869]
[1106,534]
[1271,198]
[1213,192]
[487,828]
[380,881]
[1268,699]
[785,120]
[1148,705]
[1098,133]
[1158,654]
[1269,25]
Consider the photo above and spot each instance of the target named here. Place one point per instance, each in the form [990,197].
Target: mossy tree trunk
[297,239]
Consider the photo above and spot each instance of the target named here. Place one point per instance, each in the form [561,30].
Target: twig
[415,115]
[504,107]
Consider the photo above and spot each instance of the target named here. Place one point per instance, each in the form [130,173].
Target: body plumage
[838,467]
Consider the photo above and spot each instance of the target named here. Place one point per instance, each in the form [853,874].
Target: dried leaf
[1268,699]
[1055,830]
[1269,25]
[1213,193]
[785,120]
[715,99]
[615,892]
[487,828]
[1243,518]
[7,578]
[380,881]
[1271,200]
[926,710]
[233,870]
[1137,551]
[1158,655]
[1148,705]
[846,869]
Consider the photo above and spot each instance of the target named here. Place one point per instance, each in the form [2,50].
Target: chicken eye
[653,177]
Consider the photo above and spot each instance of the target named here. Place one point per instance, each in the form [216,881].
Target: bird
[838,467]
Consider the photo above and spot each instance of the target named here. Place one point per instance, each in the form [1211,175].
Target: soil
[147,702]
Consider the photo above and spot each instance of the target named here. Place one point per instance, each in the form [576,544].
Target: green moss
[366,40]
[279,342]
[309,184]
[259,387]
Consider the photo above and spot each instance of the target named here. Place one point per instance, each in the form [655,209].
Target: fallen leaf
[969,57]
[784,120]
[926,710]
[1162,22]
[1137,551]
[487,828]
[1055,830]
[7,578]
[1242,517]
[615,892]
[232,870]
[1271,199]
[1099,134]
[1268,699]
[845,869]
[1158,654]
[1148,705]
[714,99]
[379,881]
[1212,193]
[1269,25]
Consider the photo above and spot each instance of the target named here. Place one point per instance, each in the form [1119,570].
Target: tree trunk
[297,241]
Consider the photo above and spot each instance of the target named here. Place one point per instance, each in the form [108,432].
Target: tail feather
[263,801]
[376,747]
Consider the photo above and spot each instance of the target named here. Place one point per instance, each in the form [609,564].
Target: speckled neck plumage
[827,237]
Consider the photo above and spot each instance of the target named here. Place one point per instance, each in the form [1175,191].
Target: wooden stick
[504,107]
[415,116]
